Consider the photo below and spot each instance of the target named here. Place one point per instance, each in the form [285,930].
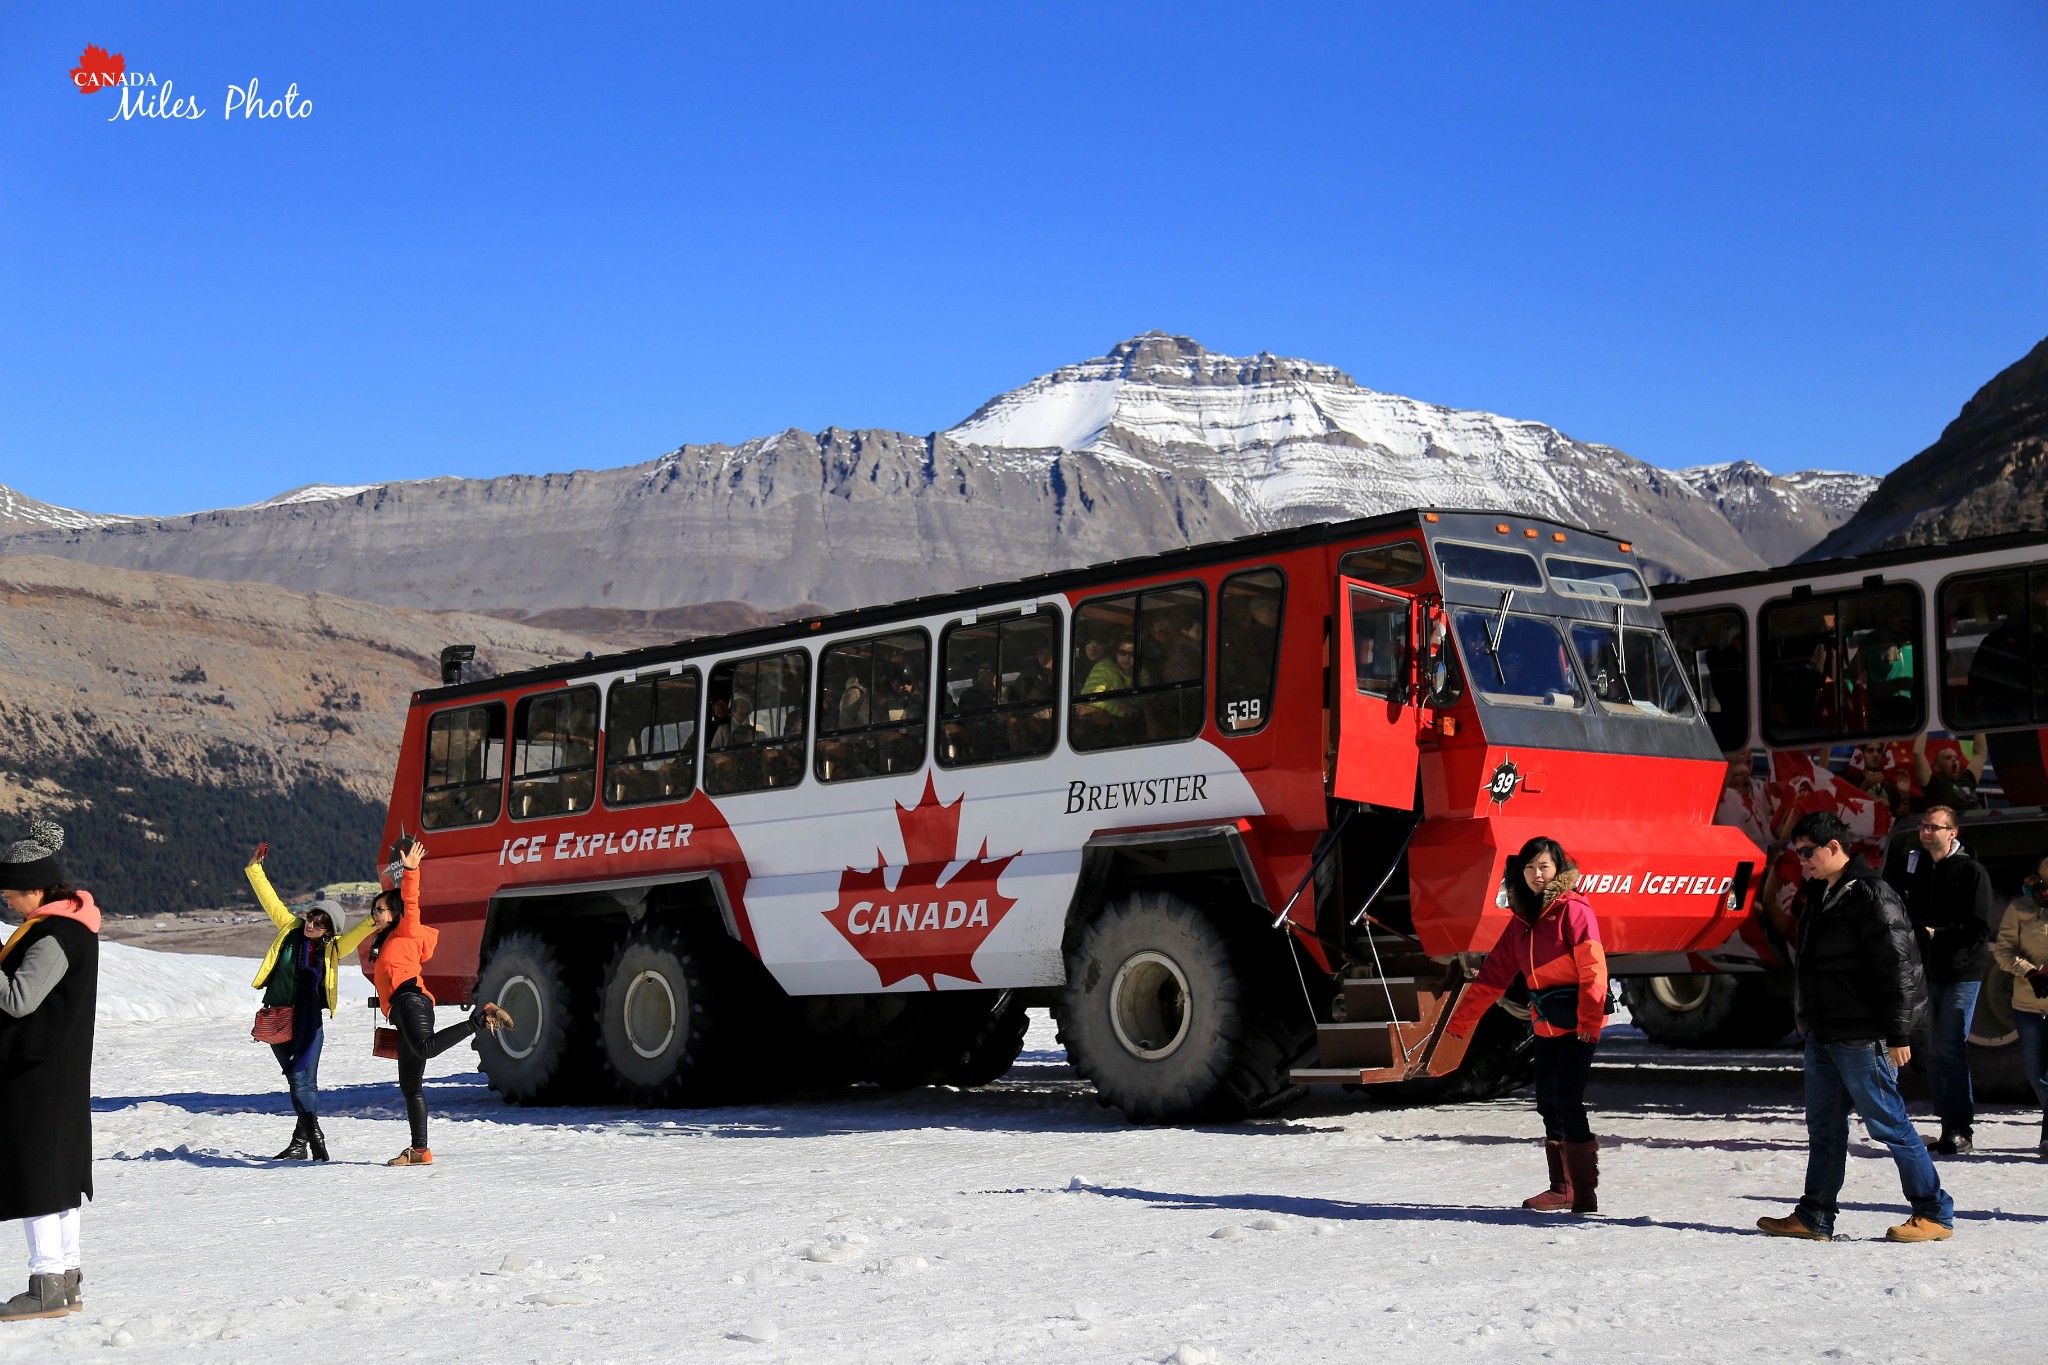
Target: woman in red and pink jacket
[1553,944]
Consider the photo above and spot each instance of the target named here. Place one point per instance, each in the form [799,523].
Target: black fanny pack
[1558,1006]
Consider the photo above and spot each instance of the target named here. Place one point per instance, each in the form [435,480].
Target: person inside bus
[1881,676]
[1107,721]
[970,730]
[1552,941]
[718,733]
[2008,666]
[1244,648]
[1031,732]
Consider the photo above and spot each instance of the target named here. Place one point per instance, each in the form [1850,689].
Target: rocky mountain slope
[1157,444]
[1987,473]
[169,723]
[1779,517]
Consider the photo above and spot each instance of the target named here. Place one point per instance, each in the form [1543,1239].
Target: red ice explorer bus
[1238,813]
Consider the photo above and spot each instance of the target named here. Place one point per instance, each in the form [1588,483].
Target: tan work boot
[1918,1229]
[412,1156]
[1792,1225]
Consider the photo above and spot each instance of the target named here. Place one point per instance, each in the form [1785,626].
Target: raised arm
[409,890]
[259,882]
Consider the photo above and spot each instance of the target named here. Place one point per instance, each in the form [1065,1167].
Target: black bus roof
[1432,521]
[1873,561]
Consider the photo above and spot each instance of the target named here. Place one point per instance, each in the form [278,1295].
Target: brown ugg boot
[44,1298]
[1558,1197]
[1582,1168]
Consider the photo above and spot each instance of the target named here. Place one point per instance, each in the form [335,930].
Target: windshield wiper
[1621,649]
[1500,623]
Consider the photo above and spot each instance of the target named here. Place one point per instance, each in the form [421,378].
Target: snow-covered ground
[1021,1223]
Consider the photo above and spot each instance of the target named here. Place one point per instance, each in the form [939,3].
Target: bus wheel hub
[650,1014]
[1148,1005]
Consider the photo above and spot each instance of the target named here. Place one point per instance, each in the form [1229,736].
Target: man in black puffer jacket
[1859,993]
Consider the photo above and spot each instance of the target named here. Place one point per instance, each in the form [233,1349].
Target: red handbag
[384,1043]
[273,1024]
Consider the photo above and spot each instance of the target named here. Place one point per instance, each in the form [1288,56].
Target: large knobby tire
[991,1046]
[1174,1019]
[668,1027]
[544,1057]
[1713,1010]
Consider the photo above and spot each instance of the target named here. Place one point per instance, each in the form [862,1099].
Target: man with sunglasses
[1858,993]
[1948,894]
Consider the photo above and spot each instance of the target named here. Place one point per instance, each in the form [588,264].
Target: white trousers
[52,1242]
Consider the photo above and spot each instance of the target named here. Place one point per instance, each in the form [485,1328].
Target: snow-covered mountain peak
[19,512]
[317,492]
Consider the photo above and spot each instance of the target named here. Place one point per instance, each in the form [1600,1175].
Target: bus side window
[1001,690]
[554,753]
[1994,650]
[1137,671]
[1714,647]
[1395,565]
[1248,613]
[650,739]
[465,767]
[1842,667]
[872,709]
[754,737]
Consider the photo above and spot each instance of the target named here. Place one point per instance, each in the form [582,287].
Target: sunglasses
[1805,852]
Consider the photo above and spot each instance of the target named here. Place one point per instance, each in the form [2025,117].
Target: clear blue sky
[513,237]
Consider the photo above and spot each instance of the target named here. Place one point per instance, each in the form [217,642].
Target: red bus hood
[1655,886]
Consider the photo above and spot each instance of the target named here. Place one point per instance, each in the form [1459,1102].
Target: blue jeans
[2033,1031]
[1945,1048]
[304,1079]
[1842,1076]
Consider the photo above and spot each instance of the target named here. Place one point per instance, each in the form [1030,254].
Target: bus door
[1378,719]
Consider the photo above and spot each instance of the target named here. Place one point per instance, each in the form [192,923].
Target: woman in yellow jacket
[299,971]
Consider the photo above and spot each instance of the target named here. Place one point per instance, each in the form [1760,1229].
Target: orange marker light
[1447,725]
[1429,516]
[1627,548]
[1530,532]
[1501,527]
[1557,536]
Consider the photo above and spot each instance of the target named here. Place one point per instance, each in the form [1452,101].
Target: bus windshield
[1639,675]
[1517,660]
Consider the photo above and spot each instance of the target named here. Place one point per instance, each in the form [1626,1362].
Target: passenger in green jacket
[300,972]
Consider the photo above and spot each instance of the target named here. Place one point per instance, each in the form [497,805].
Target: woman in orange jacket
[393,959]
[1553,943]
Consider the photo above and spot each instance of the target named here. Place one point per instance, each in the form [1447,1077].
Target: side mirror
[1438,683]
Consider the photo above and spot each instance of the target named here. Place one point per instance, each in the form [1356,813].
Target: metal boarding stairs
[1392,1030]
[1391,1027]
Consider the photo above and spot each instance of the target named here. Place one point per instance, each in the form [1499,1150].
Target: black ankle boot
[297,1150]
[315,1138]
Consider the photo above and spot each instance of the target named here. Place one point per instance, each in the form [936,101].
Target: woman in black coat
[49,984]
